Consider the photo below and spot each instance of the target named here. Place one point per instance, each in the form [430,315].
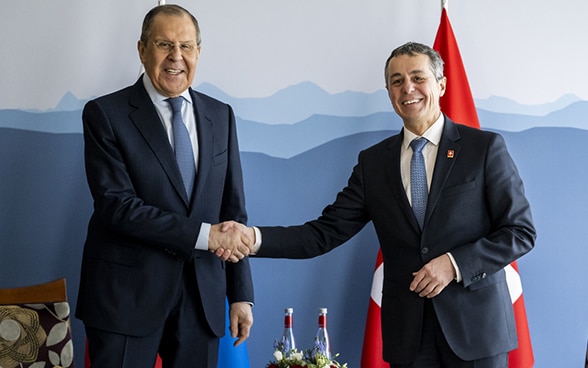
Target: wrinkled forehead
[173,27]
[162,25]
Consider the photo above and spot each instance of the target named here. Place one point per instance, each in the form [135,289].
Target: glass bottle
[321,340]
[288,335]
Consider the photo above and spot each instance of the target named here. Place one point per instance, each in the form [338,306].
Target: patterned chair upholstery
[35,329]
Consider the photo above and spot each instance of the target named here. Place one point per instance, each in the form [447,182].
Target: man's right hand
[229,240]
[227,254]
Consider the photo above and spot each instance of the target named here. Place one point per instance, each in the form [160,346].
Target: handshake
[231,241]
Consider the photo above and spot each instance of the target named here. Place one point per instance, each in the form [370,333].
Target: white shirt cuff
[257,244]
[457,272]
[202,240]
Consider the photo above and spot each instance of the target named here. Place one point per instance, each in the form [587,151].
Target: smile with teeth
[173,71]
[410,102]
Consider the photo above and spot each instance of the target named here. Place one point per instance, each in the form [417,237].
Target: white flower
[297,355]
[278,355]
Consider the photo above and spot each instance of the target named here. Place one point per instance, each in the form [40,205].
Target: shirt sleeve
[457,271]
[202,240]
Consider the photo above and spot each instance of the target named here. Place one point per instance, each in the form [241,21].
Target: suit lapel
[149,124]
[205,143]
[394,175]
[446,155]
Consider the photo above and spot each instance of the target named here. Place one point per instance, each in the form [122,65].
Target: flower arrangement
[310,358]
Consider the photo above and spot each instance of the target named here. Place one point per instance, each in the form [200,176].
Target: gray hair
[413,49]
[169,9]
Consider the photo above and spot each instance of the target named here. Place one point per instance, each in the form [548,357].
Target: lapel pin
[450,153]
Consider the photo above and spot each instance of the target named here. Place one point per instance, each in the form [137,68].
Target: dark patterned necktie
[418,180]
[182,145]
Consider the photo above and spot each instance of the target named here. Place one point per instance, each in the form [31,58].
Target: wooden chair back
[50,292]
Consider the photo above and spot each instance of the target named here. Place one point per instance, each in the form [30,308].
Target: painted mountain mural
[298,149]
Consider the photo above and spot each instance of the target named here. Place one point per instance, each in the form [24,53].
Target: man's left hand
[241,320]
[430,280]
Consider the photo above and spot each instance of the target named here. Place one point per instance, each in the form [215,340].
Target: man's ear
[442,85]
[141,50]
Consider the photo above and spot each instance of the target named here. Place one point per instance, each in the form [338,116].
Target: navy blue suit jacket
[143,230]
[476,210]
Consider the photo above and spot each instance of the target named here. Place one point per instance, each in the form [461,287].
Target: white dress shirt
[165,114]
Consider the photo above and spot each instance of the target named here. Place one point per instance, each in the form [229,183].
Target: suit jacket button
[484,275]
[425,250]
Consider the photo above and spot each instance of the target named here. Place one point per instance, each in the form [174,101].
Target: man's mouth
[173,71]
[410,102]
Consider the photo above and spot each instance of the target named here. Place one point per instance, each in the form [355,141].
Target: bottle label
[287,321]
[322,321]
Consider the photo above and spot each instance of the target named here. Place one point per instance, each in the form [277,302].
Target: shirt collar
[433,134]
[158,98]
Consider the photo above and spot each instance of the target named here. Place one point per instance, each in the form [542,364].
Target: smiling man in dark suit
[149,283]
[445,300]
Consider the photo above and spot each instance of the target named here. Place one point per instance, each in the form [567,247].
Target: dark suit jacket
[477,210]
[143,230]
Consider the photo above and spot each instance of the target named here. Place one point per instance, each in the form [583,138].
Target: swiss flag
[371,355]
[458,104]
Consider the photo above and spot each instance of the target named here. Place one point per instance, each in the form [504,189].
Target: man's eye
[395,82]
[186,47]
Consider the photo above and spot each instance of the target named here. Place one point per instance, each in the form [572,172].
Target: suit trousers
[184,340]
[435,352]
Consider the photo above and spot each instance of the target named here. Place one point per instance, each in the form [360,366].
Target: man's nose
[176,53]
[407,87]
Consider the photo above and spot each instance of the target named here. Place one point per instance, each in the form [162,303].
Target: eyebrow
[167,40]
[412,72]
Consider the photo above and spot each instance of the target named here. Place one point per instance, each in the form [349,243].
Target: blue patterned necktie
[418,180]
[182,145]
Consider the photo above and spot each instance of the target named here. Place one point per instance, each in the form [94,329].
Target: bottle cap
[289,310]
[323,310]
